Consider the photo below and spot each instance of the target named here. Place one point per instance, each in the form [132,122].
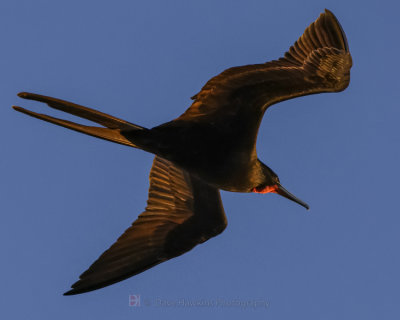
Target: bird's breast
[217,154]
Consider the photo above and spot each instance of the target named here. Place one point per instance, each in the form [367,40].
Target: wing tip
[335,21]
[78,288]
[70,292]
[74,291]
[328,12]
[324,32]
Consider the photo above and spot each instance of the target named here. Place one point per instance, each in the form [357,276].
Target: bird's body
[209,147]
[230,162]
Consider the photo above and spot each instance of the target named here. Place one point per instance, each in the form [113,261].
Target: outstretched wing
[318,62]
[182,211]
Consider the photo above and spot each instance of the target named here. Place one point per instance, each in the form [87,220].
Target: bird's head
[270,183]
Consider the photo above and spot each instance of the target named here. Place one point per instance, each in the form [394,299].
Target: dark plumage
[209,147]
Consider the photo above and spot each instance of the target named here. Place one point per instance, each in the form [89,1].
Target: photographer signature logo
[134,300]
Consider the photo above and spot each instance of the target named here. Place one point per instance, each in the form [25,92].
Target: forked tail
[112,129]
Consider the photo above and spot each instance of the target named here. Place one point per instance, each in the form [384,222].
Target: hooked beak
[284,193]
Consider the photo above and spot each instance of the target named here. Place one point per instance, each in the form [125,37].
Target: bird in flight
[211,146]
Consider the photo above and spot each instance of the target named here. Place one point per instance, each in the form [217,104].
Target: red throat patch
[266,189]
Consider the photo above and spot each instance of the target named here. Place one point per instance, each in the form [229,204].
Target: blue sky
[66,197]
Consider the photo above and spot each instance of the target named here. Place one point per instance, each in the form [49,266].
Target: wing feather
[319,61]
[182,211]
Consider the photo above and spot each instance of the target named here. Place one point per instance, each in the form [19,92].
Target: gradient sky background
[66,197]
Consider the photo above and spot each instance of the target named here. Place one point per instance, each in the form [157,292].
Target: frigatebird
[211,146]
